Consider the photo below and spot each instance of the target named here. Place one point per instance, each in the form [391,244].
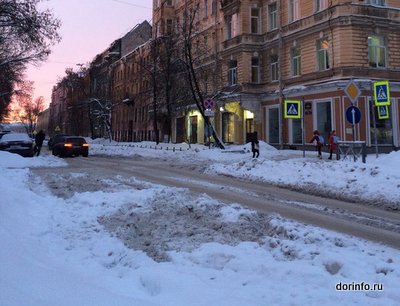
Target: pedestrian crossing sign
[292,109]
[383,112]
[381,93]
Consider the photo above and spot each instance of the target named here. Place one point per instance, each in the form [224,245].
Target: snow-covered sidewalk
[63,251]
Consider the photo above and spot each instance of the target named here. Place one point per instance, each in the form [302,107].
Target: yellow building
[263,52]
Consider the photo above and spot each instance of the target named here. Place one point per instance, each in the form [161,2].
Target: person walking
[39,138]
[332,142]
[255,145]
[319,142]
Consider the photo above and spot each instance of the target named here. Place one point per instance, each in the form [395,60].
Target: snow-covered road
[368,222]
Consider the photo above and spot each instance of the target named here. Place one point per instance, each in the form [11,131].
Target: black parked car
[19,143]
[69,146]
[54,139]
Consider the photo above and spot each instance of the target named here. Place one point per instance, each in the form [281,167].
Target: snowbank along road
[160,230]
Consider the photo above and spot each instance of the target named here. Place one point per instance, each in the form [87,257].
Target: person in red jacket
[332,142]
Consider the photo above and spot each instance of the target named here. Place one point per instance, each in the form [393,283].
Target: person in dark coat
[318,143]
[255,145]
[39,138]
[332,143]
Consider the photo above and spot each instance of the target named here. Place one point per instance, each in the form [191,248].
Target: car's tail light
[68,145]
[85,145]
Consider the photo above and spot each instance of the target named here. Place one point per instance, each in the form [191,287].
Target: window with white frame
[205,8]
[214,7]
[321,5]
[296,61]
[255,21]
[272,16]
[377,2]
[274,68]
[232,25]
[323,54]
[376,51]
[232,73]
[255,70]
[294,10]
[169,26]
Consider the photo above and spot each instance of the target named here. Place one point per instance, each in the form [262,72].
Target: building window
[232,73]
[274,68]
[321,5]
[323,54]
[255,70]
[383,128]
[231,23]
[214,7]
[272,16]
[296,61]
[376,51]
[169,26]
[205,8]
[377,2]
[169,3]
[294,10]
[255,21]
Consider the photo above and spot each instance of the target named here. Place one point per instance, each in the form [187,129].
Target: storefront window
[273,125]
[384,128]
[227,127]
[297,137]
[324,118]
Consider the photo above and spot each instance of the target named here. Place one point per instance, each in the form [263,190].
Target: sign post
[381,93]
[293,110]
[353,114]
[208,105]
[383,112]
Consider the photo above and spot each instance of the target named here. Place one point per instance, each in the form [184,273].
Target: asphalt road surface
[357,219]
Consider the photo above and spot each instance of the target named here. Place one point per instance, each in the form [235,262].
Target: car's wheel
[85,154]
[54,152]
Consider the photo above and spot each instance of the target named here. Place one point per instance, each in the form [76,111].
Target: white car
[19,143]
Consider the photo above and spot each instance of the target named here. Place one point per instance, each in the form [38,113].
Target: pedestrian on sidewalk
[39,138]
[318,140]
[255,145]
[332,142]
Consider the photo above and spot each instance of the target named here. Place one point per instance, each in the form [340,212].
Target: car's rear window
[75,140]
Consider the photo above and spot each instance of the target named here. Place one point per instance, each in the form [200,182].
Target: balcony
[249,39]
[230,6]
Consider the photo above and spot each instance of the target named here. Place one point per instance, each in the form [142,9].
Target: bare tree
[27,110]
[26,35]
[194,60]
[102,111]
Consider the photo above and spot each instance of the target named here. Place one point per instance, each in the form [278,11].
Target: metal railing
[352,149]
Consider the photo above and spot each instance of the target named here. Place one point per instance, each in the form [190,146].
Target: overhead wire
[132,4]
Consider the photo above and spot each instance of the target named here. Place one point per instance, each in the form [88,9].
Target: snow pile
[125,242]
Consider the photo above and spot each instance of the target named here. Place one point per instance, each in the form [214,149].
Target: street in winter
[199,152]
[81,231]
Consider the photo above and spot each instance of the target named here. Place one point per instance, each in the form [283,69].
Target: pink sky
[88,28]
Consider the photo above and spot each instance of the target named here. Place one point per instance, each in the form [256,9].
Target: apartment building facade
[265,52]
[131,92]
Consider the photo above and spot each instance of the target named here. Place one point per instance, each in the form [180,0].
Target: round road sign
[208,103]
[353,114]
